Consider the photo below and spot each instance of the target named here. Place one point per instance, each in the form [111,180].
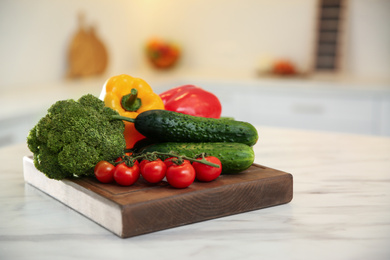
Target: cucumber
[168,126]
[234,157]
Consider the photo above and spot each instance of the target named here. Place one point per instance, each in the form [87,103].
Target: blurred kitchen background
[317,65]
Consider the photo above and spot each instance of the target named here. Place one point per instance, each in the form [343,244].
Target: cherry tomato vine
[180,171]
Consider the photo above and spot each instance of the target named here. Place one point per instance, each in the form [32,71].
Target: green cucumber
[168,126]
[234,157]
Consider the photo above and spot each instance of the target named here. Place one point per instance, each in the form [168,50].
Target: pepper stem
[131,102]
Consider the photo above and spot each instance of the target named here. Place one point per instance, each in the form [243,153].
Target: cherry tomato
[180,176]
[104,172]
[120,159]
[168,162]
[125,175]
[143,163]
[206,172]
[153,171]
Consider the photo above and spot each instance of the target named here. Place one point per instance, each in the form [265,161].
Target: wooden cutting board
[144,208]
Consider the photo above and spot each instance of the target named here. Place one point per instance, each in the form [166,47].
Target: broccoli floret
[74,136]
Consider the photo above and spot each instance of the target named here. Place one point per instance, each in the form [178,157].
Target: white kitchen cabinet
[329,112]
[303,104]
[384,117]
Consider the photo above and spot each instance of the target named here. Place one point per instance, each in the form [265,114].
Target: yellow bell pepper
[130,96]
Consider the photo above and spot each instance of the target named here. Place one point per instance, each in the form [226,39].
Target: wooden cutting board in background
[144,208]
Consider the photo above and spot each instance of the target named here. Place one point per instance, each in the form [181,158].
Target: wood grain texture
[148,208]
[143,207]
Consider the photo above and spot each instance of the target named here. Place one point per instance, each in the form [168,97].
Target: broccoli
[74,136]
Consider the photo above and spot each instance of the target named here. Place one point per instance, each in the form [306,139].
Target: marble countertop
[340,210]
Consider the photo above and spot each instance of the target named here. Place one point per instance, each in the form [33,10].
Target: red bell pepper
[192,100]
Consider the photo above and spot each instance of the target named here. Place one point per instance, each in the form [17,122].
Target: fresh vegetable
[192,100]
[168,126]
[153,171]
[234,157]
[152,168]
[74,136]
[180,175]
[169,161]
[130,96]
[143,163]
[205,172]
[162,54]
[104,172]
[172,160]
[283,67]
[126,175]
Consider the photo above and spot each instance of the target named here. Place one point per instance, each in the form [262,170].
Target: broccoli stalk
[74,136]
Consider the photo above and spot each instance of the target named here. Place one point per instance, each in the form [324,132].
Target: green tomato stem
[203,160]
[180,157]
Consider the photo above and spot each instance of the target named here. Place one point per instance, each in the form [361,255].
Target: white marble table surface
[340,210]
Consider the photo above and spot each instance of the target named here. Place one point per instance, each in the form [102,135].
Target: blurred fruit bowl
[284,67]
[162,54]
